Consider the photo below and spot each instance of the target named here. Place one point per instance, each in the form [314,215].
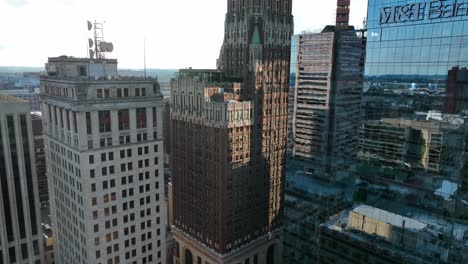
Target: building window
[137,91]
[104,121]
[61,117]
[119,92]
[124,139]
[24,251]
[99,93]
[141,117]
[124,120]
[88,123]
[125,92]
[75,124]
[50,114]
[143,91]
[55,116]
[67,119]
[154,117]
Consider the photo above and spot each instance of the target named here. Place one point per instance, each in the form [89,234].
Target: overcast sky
[179,33]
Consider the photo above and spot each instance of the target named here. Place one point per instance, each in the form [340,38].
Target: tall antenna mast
[144,55]
[100,46]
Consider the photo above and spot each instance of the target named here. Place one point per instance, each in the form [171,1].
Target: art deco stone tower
[229,140]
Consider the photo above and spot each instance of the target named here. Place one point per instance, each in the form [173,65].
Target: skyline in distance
[59,28]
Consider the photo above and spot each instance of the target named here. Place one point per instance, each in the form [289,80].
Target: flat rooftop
[389,218]
[65,58]
[113,79]
[419,221]
[11,99]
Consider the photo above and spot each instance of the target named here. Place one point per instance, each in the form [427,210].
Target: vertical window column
[74,122]
[16,175]
[89,127]
[5,189]
[141,118]
[104,121]
[124,119]
[29,175]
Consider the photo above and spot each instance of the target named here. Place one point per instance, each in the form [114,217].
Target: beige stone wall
[382,229]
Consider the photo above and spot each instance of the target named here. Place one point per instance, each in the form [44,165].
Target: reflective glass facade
[419,51]
[404,197]
[413,110]
[412,140]
[293,73]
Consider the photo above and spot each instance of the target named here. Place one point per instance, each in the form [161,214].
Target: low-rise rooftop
[420,236]
[11,99]
[390,218]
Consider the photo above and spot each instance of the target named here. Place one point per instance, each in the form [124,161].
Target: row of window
[24,253]
[59,91]
[105,120]
[120,92]
[128,243]
[60,117]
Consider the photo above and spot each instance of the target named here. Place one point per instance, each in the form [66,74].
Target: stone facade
[104,150]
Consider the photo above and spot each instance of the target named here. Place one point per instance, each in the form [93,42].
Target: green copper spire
[256,33]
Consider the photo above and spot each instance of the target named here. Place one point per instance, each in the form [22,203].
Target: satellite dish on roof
[110,47]
[91,53]
[106,46]
[102,46]
[91,43]
[90,25]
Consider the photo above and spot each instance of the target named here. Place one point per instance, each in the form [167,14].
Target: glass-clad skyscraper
[409,194]
[413,102]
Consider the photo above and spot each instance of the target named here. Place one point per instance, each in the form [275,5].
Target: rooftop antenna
[144,55]
[100,46]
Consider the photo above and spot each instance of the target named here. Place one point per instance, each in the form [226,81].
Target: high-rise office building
[20,226]
[327,100]
[410,206]
[417,80]
[326,97]
[104,150]
[229,141]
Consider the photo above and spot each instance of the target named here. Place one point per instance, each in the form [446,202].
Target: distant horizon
[39,67]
